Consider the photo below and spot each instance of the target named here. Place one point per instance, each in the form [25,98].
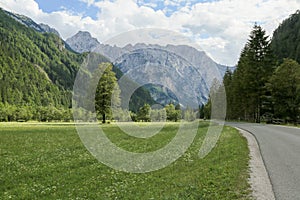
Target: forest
[266,84]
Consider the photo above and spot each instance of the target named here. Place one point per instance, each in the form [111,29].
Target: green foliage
[7,112]
[228,84]
[38,69]
[140,97]
[285,90]
[35,70]
[51,113]
[257,89]
[10,113]
[133,117]
[201,111]
[48,161]
[158,115]
[105,90]
[172,113]
[207,109]
[286,39]
[246,87]
[144,113]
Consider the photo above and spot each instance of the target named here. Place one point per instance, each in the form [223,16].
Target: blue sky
[75,6]
[219,27]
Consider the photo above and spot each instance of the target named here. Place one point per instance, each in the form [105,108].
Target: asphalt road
[280,149]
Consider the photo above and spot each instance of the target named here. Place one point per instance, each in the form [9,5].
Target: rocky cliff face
[82,42]
[172,77]
[49,29]
[176,72]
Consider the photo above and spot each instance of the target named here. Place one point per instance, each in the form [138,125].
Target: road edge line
[259,178]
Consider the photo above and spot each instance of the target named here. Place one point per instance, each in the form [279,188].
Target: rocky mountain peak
[82,42]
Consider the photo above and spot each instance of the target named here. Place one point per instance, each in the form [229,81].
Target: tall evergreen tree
[227,82]
[254,68]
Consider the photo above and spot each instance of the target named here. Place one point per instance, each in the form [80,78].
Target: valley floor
[48,161]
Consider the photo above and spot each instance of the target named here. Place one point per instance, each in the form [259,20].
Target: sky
[219,27]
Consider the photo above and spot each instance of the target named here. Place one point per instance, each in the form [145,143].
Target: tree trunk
[103,118]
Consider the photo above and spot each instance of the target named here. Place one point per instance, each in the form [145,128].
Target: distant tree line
[169,113]
[9,113]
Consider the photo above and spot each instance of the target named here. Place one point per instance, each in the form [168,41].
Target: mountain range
[186,68]
[191,70]
[195,75]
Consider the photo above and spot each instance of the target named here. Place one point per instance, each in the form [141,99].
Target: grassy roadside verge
[48,161]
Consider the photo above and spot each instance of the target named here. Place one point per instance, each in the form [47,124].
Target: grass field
[48,161]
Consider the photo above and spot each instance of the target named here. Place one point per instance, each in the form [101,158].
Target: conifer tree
[254,69]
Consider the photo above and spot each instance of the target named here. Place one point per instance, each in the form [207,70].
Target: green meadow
[49,161]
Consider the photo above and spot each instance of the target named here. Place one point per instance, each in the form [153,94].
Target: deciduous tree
[285,89]
[105,89]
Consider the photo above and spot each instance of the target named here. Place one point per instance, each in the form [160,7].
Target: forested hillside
[286,39]
[36,69]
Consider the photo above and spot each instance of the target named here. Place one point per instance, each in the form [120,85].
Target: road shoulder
[259,178]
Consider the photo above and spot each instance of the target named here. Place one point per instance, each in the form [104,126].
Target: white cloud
[229,22]
[221,27]
[26,7]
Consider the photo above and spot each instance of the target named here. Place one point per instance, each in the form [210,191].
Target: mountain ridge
[43,28]
[206,68]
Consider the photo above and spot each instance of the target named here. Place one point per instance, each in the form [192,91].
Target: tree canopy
[286,91]
[104,92]
[246,87]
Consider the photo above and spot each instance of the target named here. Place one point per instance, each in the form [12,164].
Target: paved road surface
[280,149]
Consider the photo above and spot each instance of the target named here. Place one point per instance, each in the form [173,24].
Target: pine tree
[254,68]
[227,82]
